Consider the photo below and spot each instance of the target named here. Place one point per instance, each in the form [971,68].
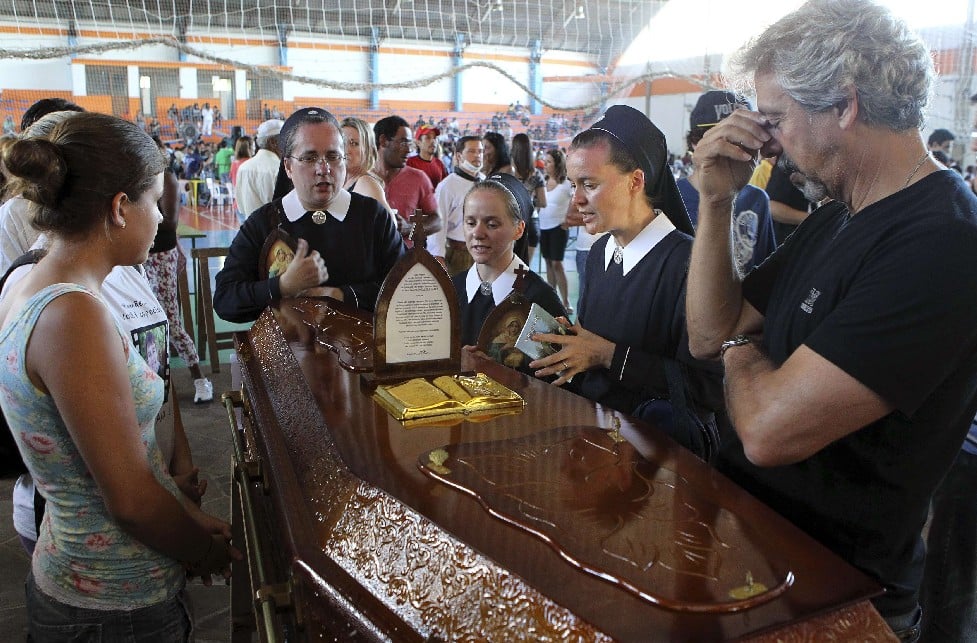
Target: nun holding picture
[629,348]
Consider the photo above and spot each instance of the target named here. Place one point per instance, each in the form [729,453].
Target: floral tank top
[83,558]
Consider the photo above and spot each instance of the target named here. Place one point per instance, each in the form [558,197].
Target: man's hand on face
[727,154]
[307,270]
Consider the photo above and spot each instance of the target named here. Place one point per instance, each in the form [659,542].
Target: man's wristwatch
[738,340]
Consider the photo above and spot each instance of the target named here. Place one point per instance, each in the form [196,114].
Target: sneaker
[203,390]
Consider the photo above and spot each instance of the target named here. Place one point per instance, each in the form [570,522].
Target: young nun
[632,305]
[492,224]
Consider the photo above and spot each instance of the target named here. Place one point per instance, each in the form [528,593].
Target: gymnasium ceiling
[599,28]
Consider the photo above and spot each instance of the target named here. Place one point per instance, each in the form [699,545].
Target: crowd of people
[203,119]
[804,323]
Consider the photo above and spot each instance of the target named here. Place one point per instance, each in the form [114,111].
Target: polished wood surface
[370,538]
[611,513]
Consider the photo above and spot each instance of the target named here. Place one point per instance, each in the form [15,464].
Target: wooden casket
[562,522]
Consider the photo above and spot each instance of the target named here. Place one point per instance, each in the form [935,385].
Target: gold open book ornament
[466,395]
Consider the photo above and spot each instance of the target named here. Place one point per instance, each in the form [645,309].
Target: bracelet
[739,340]
[624,362]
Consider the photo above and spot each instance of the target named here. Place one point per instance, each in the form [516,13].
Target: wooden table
[185,231]
[183,282]
[346,533]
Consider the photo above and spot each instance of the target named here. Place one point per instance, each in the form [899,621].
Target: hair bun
[40,168]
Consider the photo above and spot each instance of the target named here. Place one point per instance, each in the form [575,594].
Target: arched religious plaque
[416,324]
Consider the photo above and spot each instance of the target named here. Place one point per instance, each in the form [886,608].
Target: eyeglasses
[403,142]
[311,160]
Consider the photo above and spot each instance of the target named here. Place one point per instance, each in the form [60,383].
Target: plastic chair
[220,194]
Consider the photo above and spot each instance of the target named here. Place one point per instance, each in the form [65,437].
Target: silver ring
[566,366]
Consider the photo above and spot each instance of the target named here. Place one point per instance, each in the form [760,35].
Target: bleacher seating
[15,102]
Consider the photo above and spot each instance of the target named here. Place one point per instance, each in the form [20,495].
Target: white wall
[396,68]
[79,82]
[569,94]
[188,82]
[409,61]
[246,52]
[138,52]
[343,62]
[36,74]
[23,73]
[132,78]
[670,113]
[485,85]
[240,84]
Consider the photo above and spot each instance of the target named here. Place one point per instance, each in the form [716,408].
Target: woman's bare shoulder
[371,186]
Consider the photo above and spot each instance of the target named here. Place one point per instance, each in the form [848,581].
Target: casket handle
[271,598]
[251,468]
[268,598]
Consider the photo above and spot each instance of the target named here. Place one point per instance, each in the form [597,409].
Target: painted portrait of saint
[502,348]
[276,253]
[281,256]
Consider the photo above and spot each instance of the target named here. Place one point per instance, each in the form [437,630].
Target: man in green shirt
[222,162]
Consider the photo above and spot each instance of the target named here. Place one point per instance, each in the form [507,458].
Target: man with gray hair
[851,353]
[256,177]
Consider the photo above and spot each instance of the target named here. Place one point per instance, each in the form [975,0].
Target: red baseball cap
[426,129]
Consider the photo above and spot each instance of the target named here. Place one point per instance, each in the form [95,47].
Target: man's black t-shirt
[889,297]
[779,188]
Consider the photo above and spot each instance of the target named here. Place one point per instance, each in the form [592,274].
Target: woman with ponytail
[118,539]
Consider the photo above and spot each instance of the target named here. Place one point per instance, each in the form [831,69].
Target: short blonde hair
[368,144]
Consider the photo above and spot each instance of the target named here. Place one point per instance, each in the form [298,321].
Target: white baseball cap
[269,128]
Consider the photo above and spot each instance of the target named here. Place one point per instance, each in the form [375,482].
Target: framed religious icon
[500,331]
[416,324]
[276,253]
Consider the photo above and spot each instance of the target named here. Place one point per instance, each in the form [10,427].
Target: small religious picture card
[276,253]
[416,325]
[153,343]
[539,321]
[499,333]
